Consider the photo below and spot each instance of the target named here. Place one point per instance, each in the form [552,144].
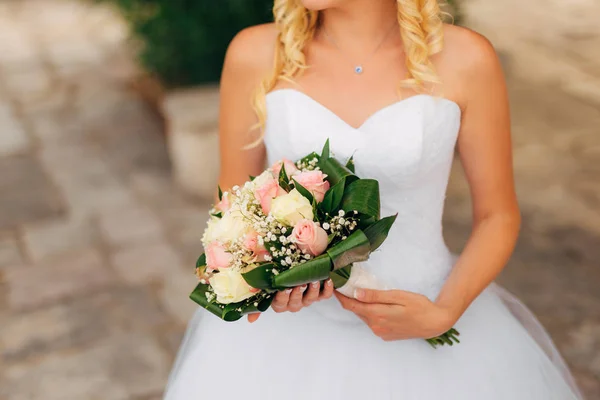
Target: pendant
[358,69]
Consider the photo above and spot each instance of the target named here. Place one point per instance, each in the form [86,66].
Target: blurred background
[108,164]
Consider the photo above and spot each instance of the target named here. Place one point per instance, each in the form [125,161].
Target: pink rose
[224,204]
[267,192]
[290,167]
[309,237]
[314,182]
[252,244]
[217,256]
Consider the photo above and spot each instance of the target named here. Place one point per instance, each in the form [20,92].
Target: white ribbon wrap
[360,278]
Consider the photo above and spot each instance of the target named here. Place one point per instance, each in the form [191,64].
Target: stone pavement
[96,243]
[555,42]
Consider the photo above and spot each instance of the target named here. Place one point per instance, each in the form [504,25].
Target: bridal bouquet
[294,224]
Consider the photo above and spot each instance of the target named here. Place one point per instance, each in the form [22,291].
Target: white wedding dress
[325,352]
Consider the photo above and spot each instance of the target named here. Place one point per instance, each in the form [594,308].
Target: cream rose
[290,208]
[230,287]
[226,229]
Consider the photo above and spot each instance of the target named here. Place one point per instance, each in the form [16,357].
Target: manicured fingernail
[329,282]
[359,294]
[288,291]
[303,288]
[315,285]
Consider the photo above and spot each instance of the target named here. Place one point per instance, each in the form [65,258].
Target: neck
[359,23]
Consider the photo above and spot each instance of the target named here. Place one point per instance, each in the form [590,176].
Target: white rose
[211,230]
[230,227]
[229,286]
[262,179]
[290,208]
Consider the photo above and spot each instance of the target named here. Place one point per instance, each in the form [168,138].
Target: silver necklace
[358,68]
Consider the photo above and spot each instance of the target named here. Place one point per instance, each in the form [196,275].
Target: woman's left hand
[398,315]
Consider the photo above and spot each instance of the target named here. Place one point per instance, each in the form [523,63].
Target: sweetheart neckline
[371,116]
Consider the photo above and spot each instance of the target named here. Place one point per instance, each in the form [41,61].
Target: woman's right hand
[293,300]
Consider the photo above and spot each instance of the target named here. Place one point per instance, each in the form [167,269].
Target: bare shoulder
[468,64]
[252,50]
[467,51]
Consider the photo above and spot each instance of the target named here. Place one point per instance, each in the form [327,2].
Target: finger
[352,305]
[327,290]
[295,303]
[398,297]
[253,317]
[281,300]
[312,294]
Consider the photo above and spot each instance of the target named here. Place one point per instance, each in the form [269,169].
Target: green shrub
[183,42]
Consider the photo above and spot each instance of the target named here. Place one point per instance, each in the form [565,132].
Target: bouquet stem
[449,338]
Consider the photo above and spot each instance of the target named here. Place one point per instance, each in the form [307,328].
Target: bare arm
[485,149]
[247,61]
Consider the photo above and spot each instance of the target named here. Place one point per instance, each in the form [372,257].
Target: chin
[318,5]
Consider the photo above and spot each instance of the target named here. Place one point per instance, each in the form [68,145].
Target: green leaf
[325,153]
[364,221]
[350,164]
[333,197]
[220,193]
[315,208]
[345,272]
[199,296]
[340,277]
[378,232]
[355,248]
[317,269]
[362,196]
[303,191]
[217,215]
[201,265]
[201,262]
[265,303]
[260,277]
[284,181]
[252,178]
[335,171]
[231,313]
[330,238]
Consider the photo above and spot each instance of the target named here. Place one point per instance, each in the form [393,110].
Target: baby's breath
[308,165]
[341,225]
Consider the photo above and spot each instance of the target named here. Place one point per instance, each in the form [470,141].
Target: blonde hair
[421,28]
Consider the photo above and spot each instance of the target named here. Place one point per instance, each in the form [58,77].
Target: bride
[387,82]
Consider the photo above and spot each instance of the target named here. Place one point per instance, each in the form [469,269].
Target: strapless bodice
[408,147]
[328,351]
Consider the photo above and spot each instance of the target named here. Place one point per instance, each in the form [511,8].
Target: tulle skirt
[504,354]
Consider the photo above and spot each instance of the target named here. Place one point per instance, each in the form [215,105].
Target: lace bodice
[408,147]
